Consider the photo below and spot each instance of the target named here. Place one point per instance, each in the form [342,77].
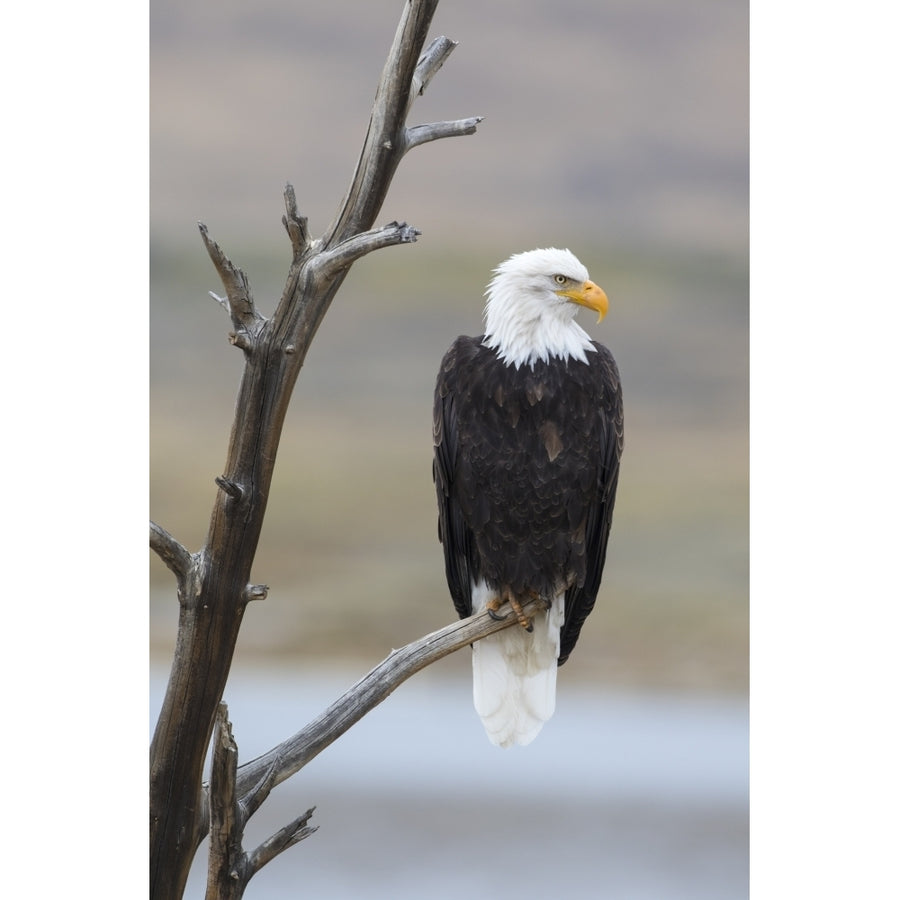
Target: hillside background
[618,130]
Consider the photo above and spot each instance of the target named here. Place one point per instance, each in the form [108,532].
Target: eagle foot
[524,621]
[507,596]
[492,606]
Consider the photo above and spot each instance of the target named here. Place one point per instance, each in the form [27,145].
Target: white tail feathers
[514,678]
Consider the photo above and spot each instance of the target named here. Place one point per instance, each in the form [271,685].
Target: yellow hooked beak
[589,295]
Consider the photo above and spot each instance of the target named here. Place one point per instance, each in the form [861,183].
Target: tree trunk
[214,584]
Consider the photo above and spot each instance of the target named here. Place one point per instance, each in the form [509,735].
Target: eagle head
[531,305]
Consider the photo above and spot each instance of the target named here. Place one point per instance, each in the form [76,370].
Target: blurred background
[618,130]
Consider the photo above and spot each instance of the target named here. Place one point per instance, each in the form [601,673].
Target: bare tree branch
[286,837]
[226,877]
[295,224]
[230,867]
[429,64]
[293,754]
[256,592]
[170,552]
[405,75]
[422,134]
[216,587]
[327,264]
[257,778]
[247,321]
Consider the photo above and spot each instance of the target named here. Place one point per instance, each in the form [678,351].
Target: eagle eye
[560,279]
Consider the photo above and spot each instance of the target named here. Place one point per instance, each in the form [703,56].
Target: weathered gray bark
[230,867]
[294,753]
[235,794]
[213,583]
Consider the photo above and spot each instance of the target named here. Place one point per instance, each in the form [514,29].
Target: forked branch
[262,774]
[406,75]
[230,866]
[215,584]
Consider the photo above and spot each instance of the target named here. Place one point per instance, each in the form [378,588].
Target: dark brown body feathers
[526,464]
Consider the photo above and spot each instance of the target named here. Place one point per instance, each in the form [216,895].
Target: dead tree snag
[214,583]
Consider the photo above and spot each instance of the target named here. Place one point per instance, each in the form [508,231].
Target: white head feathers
[527,318]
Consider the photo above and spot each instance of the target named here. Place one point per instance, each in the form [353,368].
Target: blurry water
[625,796]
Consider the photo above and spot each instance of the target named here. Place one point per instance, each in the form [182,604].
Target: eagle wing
[608,428]
[455,536]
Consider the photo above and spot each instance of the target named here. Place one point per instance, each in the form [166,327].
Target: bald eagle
[528,431]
